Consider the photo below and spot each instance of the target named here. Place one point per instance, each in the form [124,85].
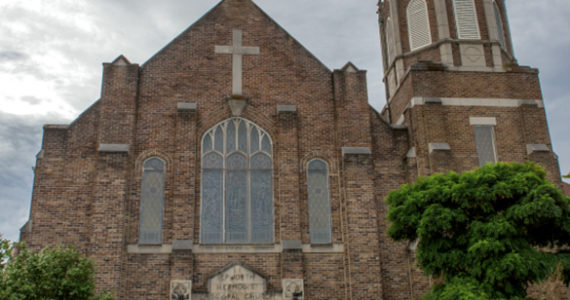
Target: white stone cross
[237,51]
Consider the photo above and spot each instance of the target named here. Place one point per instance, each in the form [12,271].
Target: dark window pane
[266,145]
[254,140]
[319,203]
[242,137]
[231,138]
[212,206]
[485,144]
[152,202]
[219,140]
[236,206]
[261,206]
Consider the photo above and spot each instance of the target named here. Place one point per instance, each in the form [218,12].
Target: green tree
[480,231]
[566,176]
[53,273]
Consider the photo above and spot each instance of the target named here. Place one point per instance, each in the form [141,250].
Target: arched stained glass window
[419,30]
[319,202]
[152,202]
[237,184]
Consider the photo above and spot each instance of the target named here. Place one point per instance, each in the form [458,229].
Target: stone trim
[142,249]
[531,148]
[411,153]
[187,106]
[27,228]
[286,108]
[328,248]
[356,151]
[205,249]
[276,248]
[56,126]
[113,148]
[483,121]
[182,245]
[292,244]
[413,245]
[438,147]
[477,102]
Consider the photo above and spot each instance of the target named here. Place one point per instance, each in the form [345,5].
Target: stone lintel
[187,106]
[286,109]
[356,151]
[113,148]
[291,245]
[483,121]
[438,147]
[182,245]
[531,148]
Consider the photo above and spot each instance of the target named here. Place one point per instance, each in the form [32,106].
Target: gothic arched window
[418,24]
[237,184]
[466,20]
[152,202]
[319,202]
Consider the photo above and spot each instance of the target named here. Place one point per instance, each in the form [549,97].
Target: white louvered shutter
[466,20]
[418,24]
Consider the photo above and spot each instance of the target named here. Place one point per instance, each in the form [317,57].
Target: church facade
[235,165]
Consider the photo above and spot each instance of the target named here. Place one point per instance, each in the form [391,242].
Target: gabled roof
[221,5]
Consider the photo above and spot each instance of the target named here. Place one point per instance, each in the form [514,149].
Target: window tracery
[237,184]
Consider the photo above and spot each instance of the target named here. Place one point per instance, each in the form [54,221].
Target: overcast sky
[51,53]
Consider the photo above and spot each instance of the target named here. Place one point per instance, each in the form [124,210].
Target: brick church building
[233,164]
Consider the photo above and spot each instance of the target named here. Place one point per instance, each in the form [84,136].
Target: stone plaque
[237,282]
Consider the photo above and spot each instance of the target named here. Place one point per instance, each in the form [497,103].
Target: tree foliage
[53,273]
[480,231]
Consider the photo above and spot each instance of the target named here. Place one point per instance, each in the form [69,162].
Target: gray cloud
[12,55]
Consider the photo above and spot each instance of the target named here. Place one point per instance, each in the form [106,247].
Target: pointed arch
[237,184]
[419,31]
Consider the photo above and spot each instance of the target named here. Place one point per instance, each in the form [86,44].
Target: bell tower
[452,78]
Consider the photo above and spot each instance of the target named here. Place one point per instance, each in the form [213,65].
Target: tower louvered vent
[418,24]
[466,20]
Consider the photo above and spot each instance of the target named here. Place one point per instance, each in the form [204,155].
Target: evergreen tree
[487,233]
